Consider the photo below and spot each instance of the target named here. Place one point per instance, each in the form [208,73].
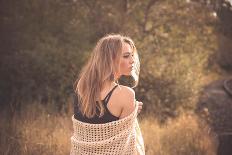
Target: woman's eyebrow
[127,53]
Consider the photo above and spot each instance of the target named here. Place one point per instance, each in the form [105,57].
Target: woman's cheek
[124,67]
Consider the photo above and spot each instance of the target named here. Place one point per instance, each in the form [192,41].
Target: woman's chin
[129,74]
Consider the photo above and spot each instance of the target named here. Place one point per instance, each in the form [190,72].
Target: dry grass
[184,136]
[38,130]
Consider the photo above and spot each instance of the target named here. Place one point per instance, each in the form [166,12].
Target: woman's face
[126,60]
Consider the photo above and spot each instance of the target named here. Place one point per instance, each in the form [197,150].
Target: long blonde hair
[100,68]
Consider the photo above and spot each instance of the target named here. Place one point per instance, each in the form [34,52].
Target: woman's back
[117,101]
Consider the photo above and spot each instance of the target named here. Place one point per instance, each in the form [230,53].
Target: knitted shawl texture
[121,137]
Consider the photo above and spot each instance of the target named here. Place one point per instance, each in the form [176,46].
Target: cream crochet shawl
[121,137]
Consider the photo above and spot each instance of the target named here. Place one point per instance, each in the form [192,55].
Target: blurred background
[185,49]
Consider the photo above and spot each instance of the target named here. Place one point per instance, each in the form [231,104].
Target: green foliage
[175,56]
[52,40]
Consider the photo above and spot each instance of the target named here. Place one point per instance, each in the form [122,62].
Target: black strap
[107,98]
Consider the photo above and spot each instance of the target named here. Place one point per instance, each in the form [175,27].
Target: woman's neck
[109,84]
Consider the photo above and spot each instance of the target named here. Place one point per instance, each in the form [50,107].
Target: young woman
[101,100]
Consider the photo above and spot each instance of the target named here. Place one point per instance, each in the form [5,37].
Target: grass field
[38,130]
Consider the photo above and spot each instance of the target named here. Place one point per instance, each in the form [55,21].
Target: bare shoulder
[126,91]
[126,99]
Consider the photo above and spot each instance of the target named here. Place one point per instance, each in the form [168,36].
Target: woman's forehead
[126,48]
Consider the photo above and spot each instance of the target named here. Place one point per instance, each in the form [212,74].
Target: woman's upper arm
[127,101]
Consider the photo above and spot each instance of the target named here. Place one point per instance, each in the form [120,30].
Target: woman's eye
[125,56]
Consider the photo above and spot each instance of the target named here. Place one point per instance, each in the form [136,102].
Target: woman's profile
[105,112]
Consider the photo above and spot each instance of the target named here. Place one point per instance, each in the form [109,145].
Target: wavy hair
[100,68]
